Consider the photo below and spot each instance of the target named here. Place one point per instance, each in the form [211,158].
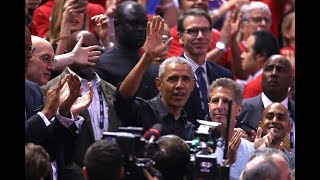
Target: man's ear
[261,57]
[180,38]
[158,84]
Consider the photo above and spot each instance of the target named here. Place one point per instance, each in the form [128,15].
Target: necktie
[286,143]
[202,87]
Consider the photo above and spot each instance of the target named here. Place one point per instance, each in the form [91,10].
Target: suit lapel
[113,121]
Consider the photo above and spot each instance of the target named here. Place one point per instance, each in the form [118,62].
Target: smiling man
[277,78]
[194,28]
[175,83]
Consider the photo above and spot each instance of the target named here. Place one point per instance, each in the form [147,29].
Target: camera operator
[221,92]
[173,158]
[105,160]
[175,83]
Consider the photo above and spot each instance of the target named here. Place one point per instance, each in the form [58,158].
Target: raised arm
[153,48]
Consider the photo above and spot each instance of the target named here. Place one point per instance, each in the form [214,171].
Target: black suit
[193,105]
[115,64]
[252,109]
[55,138]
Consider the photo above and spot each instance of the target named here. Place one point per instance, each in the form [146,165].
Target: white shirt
[243,153]
[195,66]
[243,83]
[94,107]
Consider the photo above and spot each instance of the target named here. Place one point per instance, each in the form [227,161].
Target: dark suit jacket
[55,138]
[115,64]
[193,105]
[86,137]
[252,109]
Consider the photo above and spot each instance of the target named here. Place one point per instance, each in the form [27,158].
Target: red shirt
[41,17]
[253,88]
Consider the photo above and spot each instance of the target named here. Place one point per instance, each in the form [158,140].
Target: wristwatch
[221,46]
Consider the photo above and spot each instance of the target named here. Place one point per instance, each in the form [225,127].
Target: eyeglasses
[259,19]
[195,31]
[45,57]
[28,49]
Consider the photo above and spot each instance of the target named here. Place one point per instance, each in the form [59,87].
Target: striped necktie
[202,86]
[286,143]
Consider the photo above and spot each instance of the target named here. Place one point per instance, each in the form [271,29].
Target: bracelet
[63,38]
[167,5]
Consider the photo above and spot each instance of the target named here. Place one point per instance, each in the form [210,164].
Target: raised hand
[52,101]
[69,94]
[111,6]
[101,24]
[82,102]
[233,147]
[153,46]
[265,141]
[85,55]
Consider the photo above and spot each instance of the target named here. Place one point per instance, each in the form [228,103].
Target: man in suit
[194,27]
[49,121]
[274,127]
[277,77]
[100,110]
[130,23]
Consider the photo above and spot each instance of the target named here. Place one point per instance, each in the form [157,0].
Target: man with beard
[99,115]
[130,22]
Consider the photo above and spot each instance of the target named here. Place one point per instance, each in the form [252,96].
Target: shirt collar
[266,101]
[96,80]
[194,65]
[162,109]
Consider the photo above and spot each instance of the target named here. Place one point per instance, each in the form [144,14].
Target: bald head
[89,39]
[277,78]
[275,117]
[130,22]
[41,63]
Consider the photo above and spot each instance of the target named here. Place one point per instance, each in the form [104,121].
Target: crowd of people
[176,73]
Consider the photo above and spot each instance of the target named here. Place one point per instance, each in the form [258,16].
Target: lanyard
[101,120]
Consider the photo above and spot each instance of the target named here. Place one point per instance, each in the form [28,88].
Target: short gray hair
[229,84]
[247,8]
[173,59]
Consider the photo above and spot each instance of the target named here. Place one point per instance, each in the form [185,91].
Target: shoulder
[31,86]
[219,69]
[108,86]
[253,100]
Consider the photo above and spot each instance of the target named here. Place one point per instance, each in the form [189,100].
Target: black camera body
[134,148]
[203,160]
